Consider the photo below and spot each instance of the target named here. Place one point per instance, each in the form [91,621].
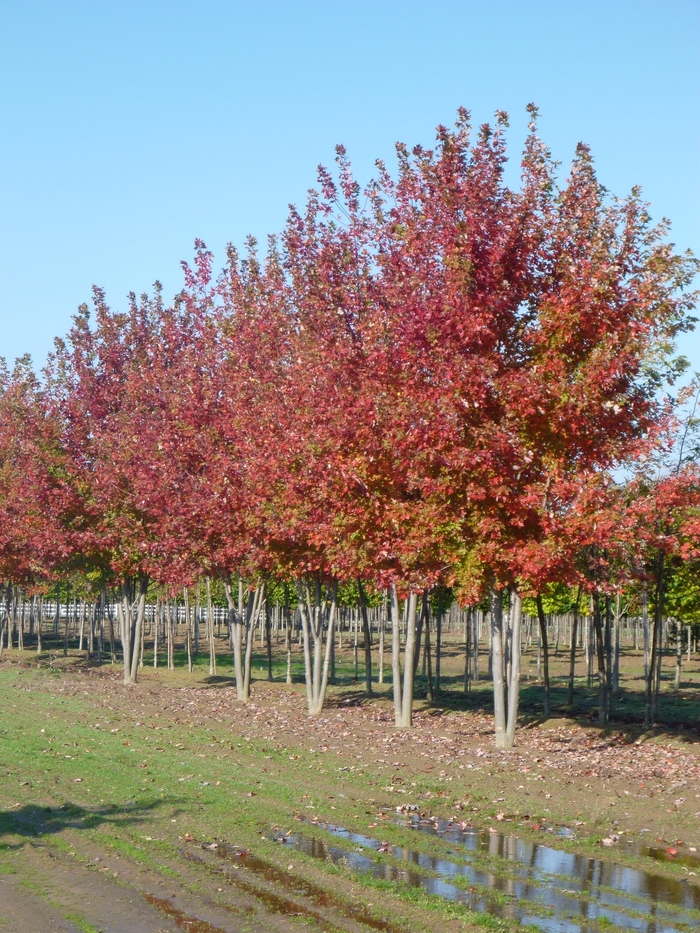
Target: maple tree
[102,391]
[522,325]
[34,545]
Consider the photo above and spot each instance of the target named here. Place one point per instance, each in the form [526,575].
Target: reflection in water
[554,890]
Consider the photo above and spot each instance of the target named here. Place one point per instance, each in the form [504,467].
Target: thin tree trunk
[616,646]
[355,647]
[418,640]
[188,628]
[499,709]
[131,609]
[546,706]
[255,604]
[438,643]
[515,653]
[142,639]
[600,653]
[650,693]
[321,684]
[467,642]
[396,655]
[170,621]
[366,635]
[572,654]
[268,640]
[82,627]
[306,636]
[608,656]
[382,628]
[427,652]
[39,621]
[409,665]
[313,621]
[235,622]
[158,617]
[65,631]
[288,617]
[138,631]
[210,632]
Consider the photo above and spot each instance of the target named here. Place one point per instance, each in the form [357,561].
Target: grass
[122,773]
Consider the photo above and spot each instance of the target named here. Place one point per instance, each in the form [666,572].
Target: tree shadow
[219,680]
[31,821]
[347,698]
[677,717]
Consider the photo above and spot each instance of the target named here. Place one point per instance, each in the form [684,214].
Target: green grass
[148,780]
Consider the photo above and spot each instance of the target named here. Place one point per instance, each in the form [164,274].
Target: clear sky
[130,128]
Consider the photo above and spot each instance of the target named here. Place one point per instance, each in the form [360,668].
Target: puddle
[591,871]
[316,894]
[183,920]
[669,854]
[551,889]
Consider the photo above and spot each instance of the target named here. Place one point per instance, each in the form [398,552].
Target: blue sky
[128,129]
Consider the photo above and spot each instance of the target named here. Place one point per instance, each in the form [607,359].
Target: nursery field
[168,805]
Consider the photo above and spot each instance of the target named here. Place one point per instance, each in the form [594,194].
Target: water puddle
[668,854]
[183,920]
[551,889]
[550,860]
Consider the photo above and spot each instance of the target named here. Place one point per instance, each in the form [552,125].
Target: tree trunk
[188,628]
[409,665]
[382,629]
[131,609]
[600,654]
[170,621]
[366,636]
[268,639]
[65,630]
[608,656]
[616,646]
[514,685]
[499,709]
[39,620]
[235,621]
[467,642]
[256,601]
[81,637]
[572,653]
[210,632]
[396,655]
[546,706]
[158,612]
[429,694]
[650,692]
[288,618]
[418,640]
[315,620]
[438,643]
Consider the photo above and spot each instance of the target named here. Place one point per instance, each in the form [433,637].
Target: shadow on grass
[31,821]
[677,716]
[219,680]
